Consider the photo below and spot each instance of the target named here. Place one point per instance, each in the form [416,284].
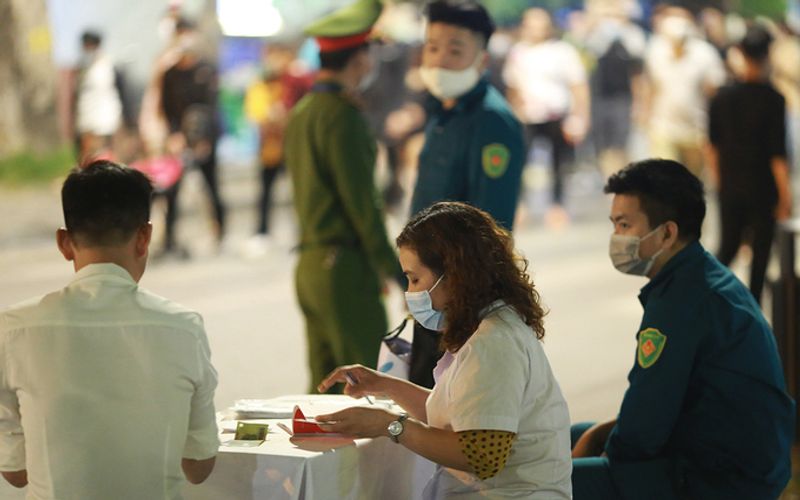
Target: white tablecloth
[314,467]
[307,468]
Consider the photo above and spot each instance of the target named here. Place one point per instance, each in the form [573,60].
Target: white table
[285,467]
[318,468]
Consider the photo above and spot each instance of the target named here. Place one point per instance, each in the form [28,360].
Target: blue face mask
[421,307]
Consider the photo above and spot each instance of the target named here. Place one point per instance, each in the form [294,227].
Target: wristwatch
[396,427]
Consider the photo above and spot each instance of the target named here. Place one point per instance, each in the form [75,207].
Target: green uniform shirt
[473,153]
[706,389]
[330,154]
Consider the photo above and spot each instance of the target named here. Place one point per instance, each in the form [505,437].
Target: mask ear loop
[436,284]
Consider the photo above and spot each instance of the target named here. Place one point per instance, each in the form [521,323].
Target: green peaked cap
[352,19]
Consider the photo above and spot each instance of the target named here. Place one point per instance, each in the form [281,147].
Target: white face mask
[624,253]
[448,83]
[420,306]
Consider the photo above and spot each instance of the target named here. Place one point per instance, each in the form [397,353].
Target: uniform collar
[327,85]
[434,105]
[690,252]
[103,270]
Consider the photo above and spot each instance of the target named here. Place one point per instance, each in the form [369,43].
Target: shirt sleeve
[202,440]
[776,137]
[488,384]
[658,385]
[714,68]
[486,450]
[714,109]
[351,153]
[574,71]
[511,67]
[496,159]
[12,440]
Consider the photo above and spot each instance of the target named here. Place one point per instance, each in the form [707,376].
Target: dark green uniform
[473,153]
[344,249]
[706,415]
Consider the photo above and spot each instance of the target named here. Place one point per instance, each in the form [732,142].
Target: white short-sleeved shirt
[680,101]
[501,380]
[104,387]
[544,74]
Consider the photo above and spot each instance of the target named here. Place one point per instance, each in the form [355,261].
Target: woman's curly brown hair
[479,264]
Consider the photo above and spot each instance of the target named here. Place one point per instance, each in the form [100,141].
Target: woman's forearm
[437,445]
[409,396]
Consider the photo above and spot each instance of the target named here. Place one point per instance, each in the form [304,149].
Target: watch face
[395,428]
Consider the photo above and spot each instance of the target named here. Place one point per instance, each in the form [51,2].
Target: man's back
[114,387]
[747,126]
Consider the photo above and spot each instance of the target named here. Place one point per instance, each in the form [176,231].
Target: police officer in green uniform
[706,415]
[345,254]
[474,148]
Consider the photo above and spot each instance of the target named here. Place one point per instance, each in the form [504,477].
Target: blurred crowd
[597,86]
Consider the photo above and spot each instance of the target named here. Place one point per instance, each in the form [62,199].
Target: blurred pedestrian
[747,132]
[189,104]
[267,103]
[784,54]
[345,253]
[548,87]
[474,149]
[98,101]
[683,73]
[617,45]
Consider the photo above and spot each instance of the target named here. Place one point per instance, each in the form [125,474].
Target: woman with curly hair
[495,423]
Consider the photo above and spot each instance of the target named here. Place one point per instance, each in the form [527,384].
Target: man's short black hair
[756,42]
[464,13]
[91,38]
[337,60]
[667,191]
[105,203]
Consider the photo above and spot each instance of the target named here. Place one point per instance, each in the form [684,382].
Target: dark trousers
[208,167]
[737,218]
[268,175]
[425,353]
[551,132]
[593,478]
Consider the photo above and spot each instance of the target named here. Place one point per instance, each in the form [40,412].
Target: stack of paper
[262,408]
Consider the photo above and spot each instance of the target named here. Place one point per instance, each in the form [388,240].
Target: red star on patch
[648,348]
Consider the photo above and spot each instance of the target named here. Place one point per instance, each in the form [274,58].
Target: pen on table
[352,381]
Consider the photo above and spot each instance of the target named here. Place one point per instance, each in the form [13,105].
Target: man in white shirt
[106,390]
[683,73]
[549,91]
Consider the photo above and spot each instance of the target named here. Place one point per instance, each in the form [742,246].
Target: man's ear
[484,60]
[65,244]
[671,233]
[143,236]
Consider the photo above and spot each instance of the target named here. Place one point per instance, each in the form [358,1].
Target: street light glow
[249,18]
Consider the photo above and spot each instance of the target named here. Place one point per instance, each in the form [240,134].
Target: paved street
[253,321]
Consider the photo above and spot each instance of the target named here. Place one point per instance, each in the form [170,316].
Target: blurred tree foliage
[775,9]
[508,12]
[30,168]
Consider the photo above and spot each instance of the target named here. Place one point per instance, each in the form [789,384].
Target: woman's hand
[359,422]
[359,381]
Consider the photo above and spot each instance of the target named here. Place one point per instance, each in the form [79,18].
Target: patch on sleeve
[495,159]
[651,345]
